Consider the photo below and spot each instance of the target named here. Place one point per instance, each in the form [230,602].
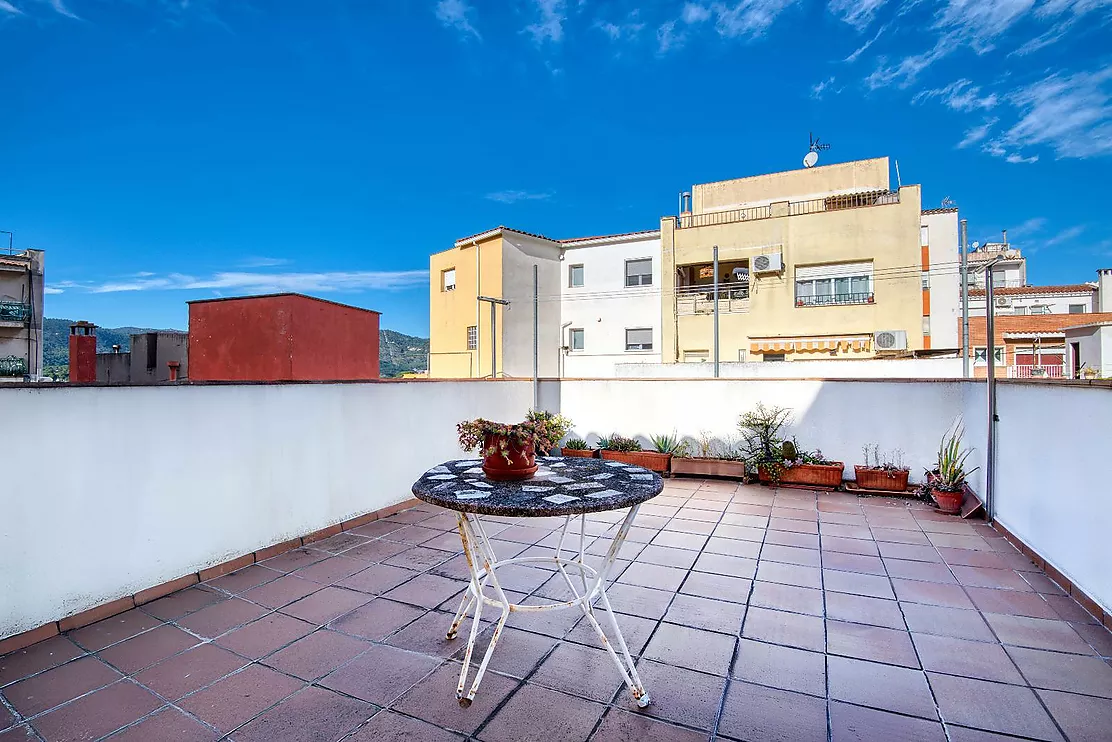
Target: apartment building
[21,300]
[598,304]
[1079,298]
[827,262]
[1009,272]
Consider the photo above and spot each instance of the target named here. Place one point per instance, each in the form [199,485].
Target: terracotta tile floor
[755,615]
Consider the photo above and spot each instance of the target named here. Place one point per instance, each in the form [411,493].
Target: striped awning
[810,344]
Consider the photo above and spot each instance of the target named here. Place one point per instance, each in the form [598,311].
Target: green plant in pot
[629,450]
[577,448]
[509,451]
[947,481]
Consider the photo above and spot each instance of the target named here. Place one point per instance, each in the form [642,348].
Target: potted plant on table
[577,448]
[780,461]
[708,457]
[947,481]
[629,451]
[509,451]
[886,472]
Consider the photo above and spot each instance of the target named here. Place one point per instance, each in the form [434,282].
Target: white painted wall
[1095,346]
[604,307]
[911,368]
[1058,304]
[203,474]
[945,283]
[1052,489]
[520,253]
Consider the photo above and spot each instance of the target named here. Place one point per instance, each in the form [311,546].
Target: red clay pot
[522,464]
[578,453]
[819,475]
[869,478]
[948,502]
[651,460]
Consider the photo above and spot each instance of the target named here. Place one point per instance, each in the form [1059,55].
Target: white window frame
[444,285]
[1082,310]
[641,346]
[571,339]
[582,276]
[924,236]
[827,277]
[626,276]
[1000,355]
[472,337]
[926,281]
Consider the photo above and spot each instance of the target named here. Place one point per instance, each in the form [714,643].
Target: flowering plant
[543,430]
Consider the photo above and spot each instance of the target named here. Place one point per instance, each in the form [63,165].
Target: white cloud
[628,29]
[1029,227]
[511,197]
[550,25]
[1070,113]
[667,38]
[52,290]
[61,9]
[976,134]
[861,49]
[961,95]
[748,17]
[1016,158]
[457,14]
[254,262]
[694,13]
[820,88]
[980,22]
[271,282]
[1065,236]
[7,7]
[857,13]
[908,69]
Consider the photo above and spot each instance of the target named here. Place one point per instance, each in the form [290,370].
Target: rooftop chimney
[1005,238]
[1104,290]
[83,353]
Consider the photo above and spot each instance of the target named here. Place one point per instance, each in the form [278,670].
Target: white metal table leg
[475,538]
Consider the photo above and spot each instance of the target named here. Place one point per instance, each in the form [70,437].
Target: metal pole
[716,311]
[493,342]
[990,469]
[964,299]
[536,333]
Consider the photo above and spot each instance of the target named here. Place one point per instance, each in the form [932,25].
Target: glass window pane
[841,286]
[804,289]
[449,279]
[824,287]
[861,284]
[639,272]
[980,355]
[577,339]
[575,276]
[639,339]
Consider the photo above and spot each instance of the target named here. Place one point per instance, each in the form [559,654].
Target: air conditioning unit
[1003,301]
[771,262]
[890,340]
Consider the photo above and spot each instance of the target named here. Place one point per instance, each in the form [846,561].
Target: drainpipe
[536,334]
[716,311]
[993,418]
[964,299]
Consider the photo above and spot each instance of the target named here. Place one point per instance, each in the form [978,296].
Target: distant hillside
[398,353]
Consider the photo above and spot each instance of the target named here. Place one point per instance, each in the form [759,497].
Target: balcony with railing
[793,208]
[733,298]
[831,300]
[14,312]
[1042,371]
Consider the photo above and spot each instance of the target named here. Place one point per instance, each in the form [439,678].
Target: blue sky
[168,150]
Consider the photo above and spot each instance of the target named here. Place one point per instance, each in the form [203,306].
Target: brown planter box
[651,460]
[708,467]
[869,478]
[818,475]
[578,453]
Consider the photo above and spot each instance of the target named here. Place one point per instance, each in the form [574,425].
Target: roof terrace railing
[13,366]
[14,311]
[795,208]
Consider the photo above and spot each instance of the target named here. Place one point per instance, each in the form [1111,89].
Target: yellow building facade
[844,257]
[459,325]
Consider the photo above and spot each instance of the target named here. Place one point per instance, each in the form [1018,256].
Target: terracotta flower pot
[651,460]
[708,467]
[869,478]
[818,475]
[948,502]
[522,463]
[578,453]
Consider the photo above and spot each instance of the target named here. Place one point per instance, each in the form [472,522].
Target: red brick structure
[1015,333]
[281,337]
[83,353]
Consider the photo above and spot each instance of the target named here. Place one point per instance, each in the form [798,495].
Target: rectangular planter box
[879,479]
[651,460]
[709,467]
[818,475]
[579,453]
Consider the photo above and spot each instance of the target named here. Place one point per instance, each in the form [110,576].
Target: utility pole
[494,304]
[964,298]
[990,452]
[716,311]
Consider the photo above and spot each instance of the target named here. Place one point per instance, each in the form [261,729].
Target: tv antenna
[947,202]
[812,157]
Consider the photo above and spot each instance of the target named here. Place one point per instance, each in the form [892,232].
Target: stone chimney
[1104,290]
[83,353]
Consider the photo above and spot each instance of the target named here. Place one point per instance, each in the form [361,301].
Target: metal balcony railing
[724,217]
[732,299]
[14,311]
[13,366]
[829,300]
[795,208]
[1044,371]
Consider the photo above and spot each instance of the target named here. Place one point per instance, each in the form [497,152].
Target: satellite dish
[810,159]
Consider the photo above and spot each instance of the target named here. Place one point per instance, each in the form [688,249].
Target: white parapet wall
[910,368]
[112,490]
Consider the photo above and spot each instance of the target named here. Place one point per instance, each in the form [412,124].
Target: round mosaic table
[567,487]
